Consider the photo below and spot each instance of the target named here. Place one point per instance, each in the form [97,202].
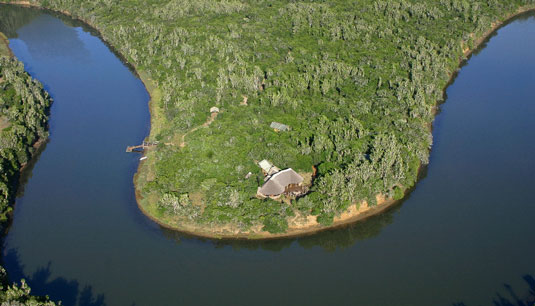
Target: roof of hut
[279,126]
[278,182]
[265,165]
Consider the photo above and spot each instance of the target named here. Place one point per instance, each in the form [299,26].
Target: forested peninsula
[343,93]
[24,106]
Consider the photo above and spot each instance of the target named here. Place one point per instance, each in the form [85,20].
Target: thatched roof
[271,188]
[279,181]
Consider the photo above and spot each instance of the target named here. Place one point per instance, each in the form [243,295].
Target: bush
[326,219]
[275,224]
[399,193]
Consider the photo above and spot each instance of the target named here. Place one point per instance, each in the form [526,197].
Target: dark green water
[466,230]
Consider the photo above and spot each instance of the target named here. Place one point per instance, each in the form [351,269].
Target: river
[464,236]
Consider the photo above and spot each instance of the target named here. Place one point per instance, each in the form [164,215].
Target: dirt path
[4,123]
[4,46]
[206,124]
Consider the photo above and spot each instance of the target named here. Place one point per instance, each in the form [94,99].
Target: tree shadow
[58,289]
[27,171]
[14,17]
[513,298]
[19,182]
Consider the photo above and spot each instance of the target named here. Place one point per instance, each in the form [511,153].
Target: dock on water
[141,147]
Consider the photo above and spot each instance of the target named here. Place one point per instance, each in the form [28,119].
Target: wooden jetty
[141,147]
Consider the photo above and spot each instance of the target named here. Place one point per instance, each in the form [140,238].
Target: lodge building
[286,182]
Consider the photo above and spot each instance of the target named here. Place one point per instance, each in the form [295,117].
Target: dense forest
[24,108]
[357,81]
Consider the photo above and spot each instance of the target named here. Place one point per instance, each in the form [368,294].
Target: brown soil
[4,122]
[244,102]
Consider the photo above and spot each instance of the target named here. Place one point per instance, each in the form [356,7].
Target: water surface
[465,231]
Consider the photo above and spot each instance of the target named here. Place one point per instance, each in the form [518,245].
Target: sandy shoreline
[297,226]
[310,226]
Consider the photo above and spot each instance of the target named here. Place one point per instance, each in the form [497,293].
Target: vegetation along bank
[24,108]
[340,92]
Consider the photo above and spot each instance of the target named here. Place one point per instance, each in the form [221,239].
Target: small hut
[279,126]
[214,109]
[268,168]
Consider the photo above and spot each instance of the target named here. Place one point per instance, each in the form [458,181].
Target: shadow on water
[23,177]
[483,45]
[513,298]
[14,17]
[69,292]
[26,173]
[518,18]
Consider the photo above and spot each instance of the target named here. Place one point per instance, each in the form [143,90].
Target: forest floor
[4,123]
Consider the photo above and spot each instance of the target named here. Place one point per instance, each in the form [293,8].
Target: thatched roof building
[279,182]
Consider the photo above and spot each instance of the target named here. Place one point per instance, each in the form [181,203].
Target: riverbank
[297,227]
[482,39]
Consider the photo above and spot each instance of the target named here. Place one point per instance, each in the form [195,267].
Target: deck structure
[141,147]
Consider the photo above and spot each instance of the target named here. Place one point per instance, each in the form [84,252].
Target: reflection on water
[26,172]
[13,18]
[58,42]
[513,296]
